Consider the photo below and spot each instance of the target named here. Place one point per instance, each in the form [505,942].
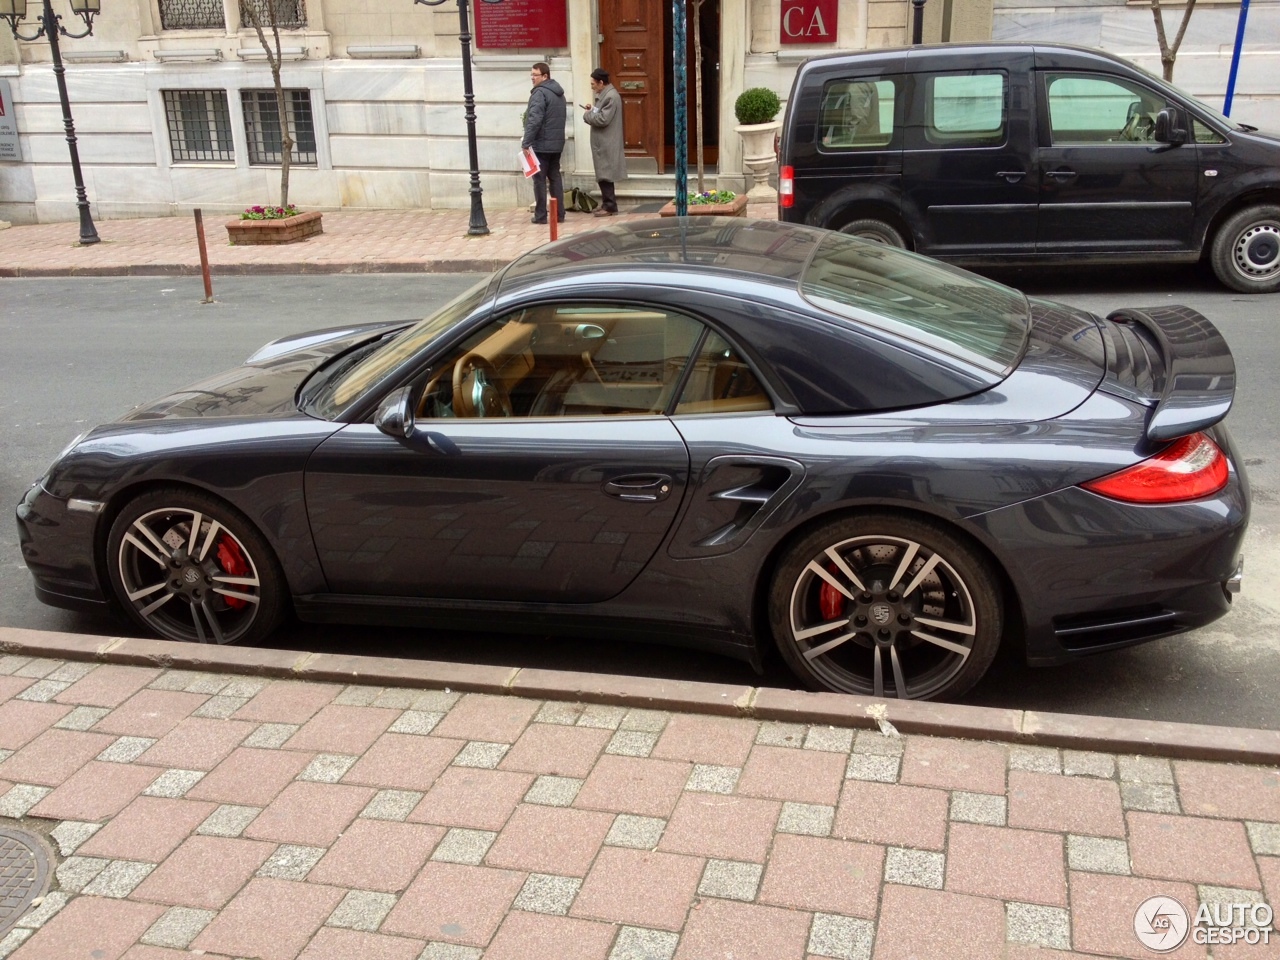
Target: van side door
[1106,186]
[969,182]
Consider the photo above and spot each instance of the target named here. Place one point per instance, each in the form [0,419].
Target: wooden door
[633,54]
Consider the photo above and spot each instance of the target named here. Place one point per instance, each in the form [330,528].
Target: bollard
[553,217]
[204,258]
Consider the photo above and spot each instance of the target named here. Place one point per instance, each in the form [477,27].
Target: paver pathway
[239,817]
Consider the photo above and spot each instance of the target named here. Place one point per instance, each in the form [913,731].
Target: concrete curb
[1112,735]
[482,265]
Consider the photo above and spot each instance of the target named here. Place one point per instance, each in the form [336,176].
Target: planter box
[284,230]
[737,207]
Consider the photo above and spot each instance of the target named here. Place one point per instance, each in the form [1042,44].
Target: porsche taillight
[1187,469]
[786,186]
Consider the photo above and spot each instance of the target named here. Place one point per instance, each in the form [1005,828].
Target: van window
[1092,109]
[1205,133]
[857,114]
[965,108]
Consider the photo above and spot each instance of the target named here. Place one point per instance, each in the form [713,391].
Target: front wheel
[1246,250]
[886,606]
[188,567]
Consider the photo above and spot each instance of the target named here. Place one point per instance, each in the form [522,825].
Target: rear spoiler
[1199,371]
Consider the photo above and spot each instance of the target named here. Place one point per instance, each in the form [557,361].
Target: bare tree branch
[1169,54]
[249,9]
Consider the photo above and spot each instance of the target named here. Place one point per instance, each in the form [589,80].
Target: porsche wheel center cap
[191,575]
[881,613]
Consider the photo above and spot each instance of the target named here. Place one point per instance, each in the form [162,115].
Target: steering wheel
[477,391]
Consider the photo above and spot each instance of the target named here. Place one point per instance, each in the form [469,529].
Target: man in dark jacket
[544,132]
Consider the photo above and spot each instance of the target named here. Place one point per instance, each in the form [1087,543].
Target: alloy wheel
[883,616]
[188,576]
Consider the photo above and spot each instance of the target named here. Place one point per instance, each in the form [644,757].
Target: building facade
[174,109]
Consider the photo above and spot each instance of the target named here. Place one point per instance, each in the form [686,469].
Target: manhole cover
[24,868]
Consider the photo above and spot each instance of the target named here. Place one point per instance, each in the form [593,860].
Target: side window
[968,109]
[1093,109]
[1205,133]
[721,382]
[580,360]
[857,114]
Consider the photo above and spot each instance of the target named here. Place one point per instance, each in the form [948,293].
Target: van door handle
[1012,176]
[643,488]
[1061,174]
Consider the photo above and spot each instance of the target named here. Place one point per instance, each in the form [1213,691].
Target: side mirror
[395,414]
[1167,129]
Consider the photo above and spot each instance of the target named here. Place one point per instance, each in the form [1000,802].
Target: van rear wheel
[877,231]
[1246,250]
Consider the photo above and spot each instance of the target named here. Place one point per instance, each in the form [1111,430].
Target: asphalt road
[79,352]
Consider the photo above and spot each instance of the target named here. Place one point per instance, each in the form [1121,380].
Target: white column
[733,59]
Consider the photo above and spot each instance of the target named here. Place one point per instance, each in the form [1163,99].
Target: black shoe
[561,220]
[536,220]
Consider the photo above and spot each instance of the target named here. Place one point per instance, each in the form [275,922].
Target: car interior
[591,361]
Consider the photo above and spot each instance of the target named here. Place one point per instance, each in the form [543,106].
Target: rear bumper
[1092,574]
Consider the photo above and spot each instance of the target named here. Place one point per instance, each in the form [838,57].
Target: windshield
[978,322]
[348,378]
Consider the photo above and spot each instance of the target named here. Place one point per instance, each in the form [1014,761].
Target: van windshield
[980,323]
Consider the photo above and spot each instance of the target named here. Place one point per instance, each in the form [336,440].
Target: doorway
[636,50]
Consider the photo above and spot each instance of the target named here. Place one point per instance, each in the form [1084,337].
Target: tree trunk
[282,108]
[1169,54]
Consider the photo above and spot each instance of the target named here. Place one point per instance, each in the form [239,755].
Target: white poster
[8,124]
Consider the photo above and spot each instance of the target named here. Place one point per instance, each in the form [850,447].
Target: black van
[1005,154]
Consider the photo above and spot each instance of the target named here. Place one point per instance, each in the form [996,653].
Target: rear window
[857,114]
[977,322]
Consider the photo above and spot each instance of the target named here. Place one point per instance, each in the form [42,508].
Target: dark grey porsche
[722,433]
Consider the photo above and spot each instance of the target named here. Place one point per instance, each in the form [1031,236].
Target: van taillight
[786,186]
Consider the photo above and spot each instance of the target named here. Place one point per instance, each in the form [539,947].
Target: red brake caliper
[233,563]
[830,599]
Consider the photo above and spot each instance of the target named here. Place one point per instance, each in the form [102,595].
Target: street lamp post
[14,11]
[917,26]
[478,227]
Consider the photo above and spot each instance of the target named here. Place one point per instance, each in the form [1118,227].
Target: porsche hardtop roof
[761,250]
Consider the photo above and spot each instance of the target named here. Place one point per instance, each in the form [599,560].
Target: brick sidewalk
[353,242]
[274,819]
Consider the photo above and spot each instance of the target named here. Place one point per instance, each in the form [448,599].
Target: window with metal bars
[288,13]
[199,126]
[262,126]
[192,15]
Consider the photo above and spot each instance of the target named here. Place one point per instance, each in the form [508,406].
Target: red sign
[809,21]
[521,23]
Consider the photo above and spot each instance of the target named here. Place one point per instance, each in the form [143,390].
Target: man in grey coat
[604,117]
[544,132]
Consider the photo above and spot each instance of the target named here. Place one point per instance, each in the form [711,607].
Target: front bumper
[57,543]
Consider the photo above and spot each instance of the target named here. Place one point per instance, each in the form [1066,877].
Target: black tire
[222,585]
[877,231]
[1246,250]
[920,617]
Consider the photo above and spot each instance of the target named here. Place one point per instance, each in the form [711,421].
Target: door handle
[641,488]
[1012,176]
[1061,174]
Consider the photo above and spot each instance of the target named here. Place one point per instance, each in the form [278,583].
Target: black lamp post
[14,11]
[917,26]
[478,227]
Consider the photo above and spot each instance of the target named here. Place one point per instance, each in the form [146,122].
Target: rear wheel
[886,606]
[1246,250]
[188,567]
[877,231]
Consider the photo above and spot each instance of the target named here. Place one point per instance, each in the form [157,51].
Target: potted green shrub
[756,110]
[715,203]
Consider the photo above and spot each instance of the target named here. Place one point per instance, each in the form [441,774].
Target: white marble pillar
[733,60]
